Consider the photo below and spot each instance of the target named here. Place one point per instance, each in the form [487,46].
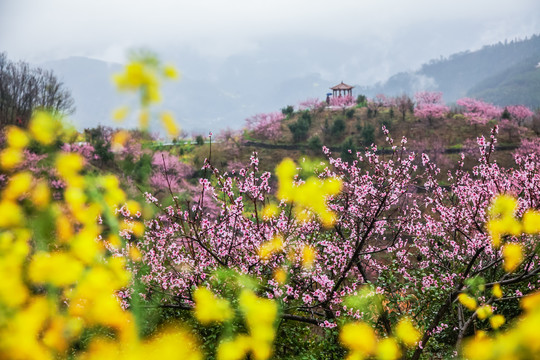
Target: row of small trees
[24,89]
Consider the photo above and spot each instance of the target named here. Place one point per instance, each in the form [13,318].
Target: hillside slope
[457,75]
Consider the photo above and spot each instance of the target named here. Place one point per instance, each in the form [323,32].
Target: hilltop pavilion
[342,89]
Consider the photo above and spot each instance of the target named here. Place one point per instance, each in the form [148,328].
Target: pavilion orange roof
[342,86]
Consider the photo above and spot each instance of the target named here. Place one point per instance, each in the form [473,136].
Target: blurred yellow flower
[209,309]
[170,72]
[531,222]
[170,124]
[531,301]
[59,269]
[234,349]
[502,206]
[41,194]
[483,312]
[270,211]
[497,291]
[43,127]
[12,214]
[308,256]
[280,275]
[308,197]
[388,349]
[260,315]
[496,321]
[270,247]
[512,257]
[16,137]
[359,336]
[467,301]
[406,332]
[119,114]
[69,165]
[10,158]
[119,140]
[18,185]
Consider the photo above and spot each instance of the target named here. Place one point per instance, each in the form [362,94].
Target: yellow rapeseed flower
[209,309]
[119,114]
[20,339]
[59,269]
[135,254]
[10,158]
[497,291]
[531,301]
[270,211]
[119,140]
[234,349]
[531,222]
[478,348]
[483,312]
[496,321]
[12,214]
[407,333]
[268,248]
[308,197]
[360,337]
[502,206]
[280,275]
[388,349]
[170,72]
[16,137]
[18,185]
[41,194]
[512,257]
[169,124]
[260,315]
[165,345]
[69,165]
[467,301]
[64,228]
[43,127]
[308,256]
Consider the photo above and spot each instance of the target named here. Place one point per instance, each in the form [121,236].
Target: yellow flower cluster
[522,341]
[143,75]
[309,197]
[503,222]
[57,278]
[360,338]
[260,315]
[270,247]
[209,309]
[485,311]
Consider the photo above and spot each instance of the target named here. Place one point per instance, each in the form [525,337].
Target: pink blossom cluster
[429,105]
[477,111]
[311,104]
[266,126]
[86,150]
[169,173]
[342,101]
[519,112]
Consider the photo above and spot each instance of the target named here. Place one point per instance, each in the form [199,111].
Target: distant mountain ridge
[503,73]
[210,97]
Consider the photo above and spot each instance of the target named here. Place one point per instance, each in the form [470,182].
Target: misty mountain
[519,84]
[502,73]
[241,88]
[218,93]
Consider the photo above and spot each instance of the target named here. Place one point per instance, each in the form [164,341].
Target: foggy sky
[385,35]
